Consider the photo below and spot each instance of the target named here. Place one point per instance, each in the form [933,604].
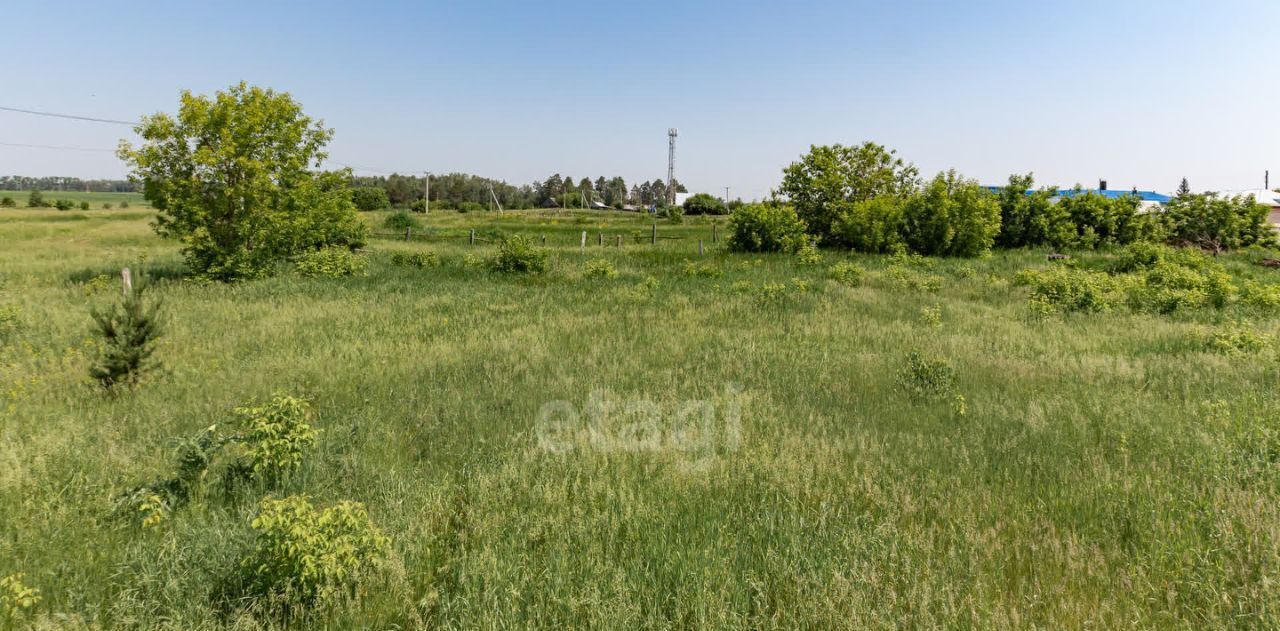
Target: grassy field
[527,443]
[96,200]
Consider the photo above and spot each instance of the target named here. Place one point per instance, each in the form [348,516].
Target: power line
[70,116]
[62,148]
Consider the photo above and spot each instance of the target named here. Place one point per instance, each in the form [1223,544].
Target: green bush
[1238,340]
[7,202]
[518,255]
[415,259]
[1218,223]
[1032,218]
[1066,290]
[106,206]
[367,198]
[128,332]
[1099,220]
[873,225]
[766,228]
[274,437]
[808,254]
[674,214]
[84,205]
[35,199]
[905,277]
[923,378]
[400,221]
[124,204]
[703,270]
[600,269]
[64,204]
[704,204]
[846,273]
[331,262]
[951,216]
[303,556]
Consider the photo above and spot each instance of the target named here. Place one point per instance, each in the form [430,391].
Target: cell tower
[671,166]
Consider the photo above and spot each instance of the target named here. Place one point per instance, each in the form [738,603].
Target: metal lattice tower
[671,166]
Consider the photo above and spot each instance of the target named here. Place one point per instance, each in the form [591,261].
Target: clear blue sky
[1139,92]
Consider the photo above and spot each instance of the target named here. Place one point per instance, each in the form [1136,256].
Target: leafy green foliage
[1147,278]
[368,198]
[84,205]
[808,254]
[128,332]
[156,501]
[952,216]
[274,436]
[1066,290]
[518,255]
[419,260]
[63,204]
[304,556]
[1238,340]
[331,262]
[766,228]
[704,204]
[401,221]
[873,225]
[700,270]
[924,378]
[1218,223]
[230,177]
[35,199]
[1101,221]
[600,269]
[831,174]
[8,202]
[16,597]
[846,273]
[1032,218]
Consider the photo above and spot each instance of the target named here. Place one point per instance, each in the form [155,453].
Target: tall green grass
[1108,470]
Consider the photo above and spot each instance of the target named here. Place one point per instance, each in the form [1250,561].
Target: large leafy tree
[830,174]
[235,178]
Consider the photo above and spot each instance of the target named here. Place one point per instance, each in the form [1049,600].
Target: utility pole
[671,166]
[726,194]
[426,196]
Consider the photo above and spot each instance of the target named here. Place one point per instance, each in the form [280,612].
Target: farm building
[1151,200]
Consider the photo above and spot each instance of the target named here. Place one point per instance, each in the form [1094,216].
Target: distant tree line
[23,183]
[462,191]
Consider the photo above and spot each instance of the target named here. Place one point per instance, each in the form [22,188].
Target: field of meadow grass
[646,437]
[96,200]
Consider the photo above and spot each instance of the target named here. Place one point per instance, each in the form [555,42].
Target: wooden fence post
[699,247]
[619,240]
[407,230]
[713,232]
[544,240]
[473,237]
[653,238]
[584,240]
[126,281]
[601,238]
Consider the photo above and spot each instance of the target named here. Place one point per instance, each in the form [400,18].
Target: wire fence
[600,239]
